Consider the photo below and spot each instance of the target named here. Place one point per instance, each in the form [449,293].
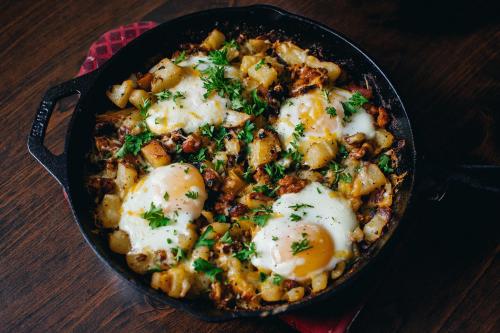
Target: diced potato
[176,282]
[233,183]
[263,149]
[133,123]
[332,68]
[368,179]
[155,154]
[108,211]
[265,75]
[166,75]
[214,40]
[270,292]
[232,145]
[126,176]
[119,242]
[232,53]
[139,262]
[188,238]
[119,94]
[383,139]
[319,282]
[250,84]
[220,228]
[319,154]
[373,229]
[294,294]
[338,270]
[137,98]
[248,62]
[357,235]
[235,119]
[313,176]
[250,202]
[290,53]
[257,45]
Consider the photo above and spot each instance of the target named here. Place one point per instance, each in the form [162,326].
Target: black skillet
[140,54]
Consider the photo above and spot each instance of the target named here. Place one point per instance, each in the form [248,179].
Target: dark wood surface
[444,275]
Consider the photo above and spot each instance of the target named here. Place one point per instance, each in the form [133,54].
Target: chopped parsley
[203,240]
[231,44]
[155,268]
[343,151]
[319,191]
[295,217]
[352,105]
[155,217]
[164,95]
[275,171]
[212,271]
[217,134]
[266,190]
[277,279]
[219,57]
[293,152]
[262,276]
[247,252]
[385,164]
[166,196]
[259,64]
[220,218]
[326,94]
[331,111]
[178,95]
[296,207]
[247,175]
[144,108]
[274,238]
[246,133]
[192,195]
[134,143]
[300,246]
[226,238]
[179,253]
[219,165]
[198,157]
[262,215]
[345,177]
[181,57]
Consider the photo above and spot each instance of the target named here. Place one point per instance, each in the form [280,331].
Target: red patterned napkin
[100,51]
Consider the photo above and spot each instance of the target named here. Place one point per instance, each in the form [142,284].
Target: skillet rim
[225,315]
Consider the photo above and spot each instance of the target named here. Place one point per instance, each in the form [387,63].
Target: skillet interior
[161,42]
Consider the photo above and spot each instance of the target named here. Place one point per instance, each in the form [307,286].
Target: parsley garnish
[295,217]
[203,240]
[134,143]
[266,190]
[181,57]
[301,246]
[192,195]
[247,175]
[296,207]
[212,271]
[155,217]
[259,64]
[178,253]
[352,104]
[219,57]
[164,95]
[247,252]
[155,268]
[275,171]
[198,157]
[326,94]
[217,134]
[345,177]
[385,164]
[277,279]
[178,95]
[293,152]
[331,111]
[226,238]
[319,191]
[246,133]
[220,218]
[274,238]
[166,196]
[231,44]
[343,151]
[262,276]
[219,165]
[143,109]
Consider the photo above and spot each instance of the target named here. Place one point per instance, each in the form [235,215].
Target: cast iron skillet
[139,55]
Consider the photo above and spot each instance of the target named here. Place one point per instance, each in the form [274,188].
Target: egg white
[329,210]
[181,210]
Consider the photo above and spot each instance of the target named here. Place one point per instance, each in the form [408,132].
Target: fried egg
[190,109]
[310,110]
[309,233]
[165,188]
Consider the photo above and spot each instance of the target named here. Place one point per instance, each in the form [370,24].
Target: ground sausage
[192,144]
[291,184]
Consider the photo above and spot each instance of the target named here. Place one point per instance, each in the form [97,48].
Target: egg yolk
[309,246]
[185,188]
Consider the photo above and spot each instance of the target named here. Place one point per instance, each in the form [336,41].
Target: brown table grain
[443,276]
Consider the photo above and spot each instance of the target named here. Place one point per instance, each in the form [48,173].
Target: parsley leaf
[220,218]
[246,133]
[277,279]
[164,95]
[212,271]
[143,109]
[219,57]
[134,143]
[296,207]
[179,253]
[198,157]
[345,177]
[203,240]
[343,151]
[262,276]
[295,217]
[155,217]
[352,105]
[181,57]
[275,171]
[331,111]
[247,252]
[226,238]
[385,164]
[259,64]
[166,196]
[192,195]
[178,95]
[301,246]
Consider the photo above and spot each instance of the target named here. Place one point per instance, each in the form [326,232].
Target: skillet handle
[55,164]
[483,177]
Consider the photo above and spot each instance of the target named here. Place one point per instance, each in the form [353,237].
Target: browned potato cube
[214,40]
[166,75]
[119,94]
[137,98]
[119,242]
[155,154]
[264,149]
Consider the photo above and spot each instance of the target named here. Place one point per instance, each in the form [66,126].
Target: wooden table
[444,276]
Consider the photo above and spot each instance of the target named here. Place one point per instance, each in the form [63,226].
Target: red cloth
[100,51]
